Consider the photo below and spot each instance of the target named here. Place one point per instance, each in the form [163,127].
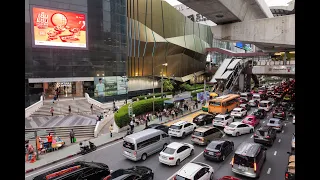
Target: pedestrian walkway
[73,149]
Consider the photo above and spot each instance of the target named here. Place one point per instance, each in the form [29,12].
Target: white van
[144,143]
[256,96]
[266,105]
[247,96]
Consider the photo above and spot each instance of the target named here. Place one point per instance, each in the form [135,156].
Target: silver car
[276,123]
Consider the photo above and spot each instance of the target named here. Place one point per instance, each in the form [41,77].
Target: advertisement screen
[109,86]
[59,28]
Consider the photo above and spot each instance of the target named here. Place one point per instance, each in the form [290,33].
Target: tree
[167,85]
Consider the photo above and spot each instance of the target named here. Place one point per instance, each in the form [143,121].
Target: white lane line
[279,140]
[170,178]
[263,121]
[285,124]
[68,160]
[282,131]
[275,153]
[269,170]
[251,136]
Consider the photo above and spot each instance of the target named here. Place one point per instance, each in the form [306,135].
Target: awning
[171,101]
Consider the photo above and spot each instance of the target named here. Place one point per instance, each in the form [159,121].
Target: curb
[53,162]
[73,155]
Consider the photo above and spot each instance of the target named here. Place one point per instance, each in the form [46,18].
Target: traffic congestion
[242,136]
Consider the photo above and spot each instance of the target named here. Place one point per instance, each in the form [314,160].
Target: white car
[253,103]
[238,128]
[266,105]
[294,120]
[175,152]
[222,120]
[181,129]
[239,112]
[195,170]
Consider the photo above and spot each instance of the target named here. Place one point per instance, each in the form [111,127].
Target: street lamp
[165,64]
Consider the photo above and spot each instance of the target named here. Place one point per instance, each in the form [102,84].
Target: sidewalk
[73,150]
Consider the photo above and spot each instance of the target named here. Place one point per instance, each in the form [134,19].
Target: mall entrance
[65,89]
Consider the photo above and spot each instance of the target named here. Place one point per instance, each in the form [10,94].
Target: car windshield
[248,119]
[277,110]
[261,133]
[128,145]
[168,150]
[263,104]
[200,117]
[218,119]
[215,103]
[243,95]
[232,125]
[242,105]
[214,146]
[272,122]
[243,160]
[181,178]
[235,110]
[197,133]
[175,127]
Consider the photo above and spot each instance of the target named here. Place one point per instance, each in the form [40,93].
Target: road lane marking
[269,170]
[285,124]
[282,131]
[263,121]
[186,163]
[251,136]
[279,140]
[275,153]
[41,170]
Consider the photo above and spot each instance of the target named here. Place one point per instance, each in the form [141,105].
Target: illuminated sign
[59,28]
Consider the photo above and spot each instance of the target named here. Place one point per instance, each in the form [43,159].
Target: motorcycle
[86,148]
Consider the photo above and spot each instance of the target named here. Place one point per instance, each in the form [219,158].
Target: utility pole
[162,83]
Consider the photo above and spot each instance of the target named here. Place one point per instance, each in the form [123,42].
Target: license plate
[243,168]
[210,153]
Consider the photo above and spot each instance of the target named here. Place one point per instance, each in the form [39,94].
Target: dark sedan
[136,172]
[218,150]
[260,113]
[158,126]
[279,113]
[203,119]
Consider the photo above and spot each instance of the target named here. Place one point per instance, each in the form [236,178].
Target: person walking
[49,140]
[160,116]
[91,108]
[172,114]
[147,122]
[131,125]
[51,111]
[69,109]
[111,129]
[71,136]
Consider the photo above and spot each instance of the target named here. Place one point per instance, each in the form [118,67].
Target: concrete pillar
[241,82]
[285,58]
[248,81]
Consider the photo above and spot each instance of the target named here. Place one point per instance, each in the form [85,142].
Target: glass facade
[158,34]
[106,23]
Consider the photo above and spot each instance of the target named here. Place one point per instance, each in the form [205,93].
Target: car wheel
[223,158]
[144,157]
[192,152]
[211,176]
[237,134]
[178,162]
[251,130]
[183,135]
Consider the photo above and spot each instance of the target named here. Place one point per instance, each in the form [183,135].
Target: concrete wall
[278,30]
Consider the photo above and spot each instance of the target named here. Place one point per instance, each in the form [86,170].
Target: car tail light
[174,178]
[232,161]
[278,127]
[268,137]
[255,134]
[107,178]
[255,167]
[171,158]
[201,139]
[287,176]
[282,113]
[205,150]
[135,153]
[218,153]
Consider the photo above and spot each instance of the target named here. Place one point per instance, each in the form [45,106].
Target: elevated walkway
[229,11]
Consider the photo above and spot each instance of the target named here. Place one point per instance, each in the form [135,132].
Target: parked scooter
[129,131]
[86,147]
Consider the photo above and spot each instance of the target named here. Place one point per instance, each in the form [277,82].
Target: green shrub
[140,107]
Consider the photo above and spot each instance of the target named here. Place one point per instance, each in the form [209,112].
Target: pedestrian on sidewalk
[146,124]
[160,116]
[131,125]
[91,108]
[49,140]
[111,129]
[69,109]
[51,111]
[71,136]
[172,114]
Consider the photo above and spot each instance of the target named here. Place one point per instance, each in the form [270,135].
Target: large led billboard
[56,28]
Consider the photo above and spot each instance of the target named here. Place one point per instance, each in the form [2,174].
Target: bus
[224,104]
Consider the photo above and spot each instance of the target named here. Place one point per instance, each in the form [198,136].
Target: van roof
[248,149]
[203,129]
[264,101]
[180,123]
[143,133]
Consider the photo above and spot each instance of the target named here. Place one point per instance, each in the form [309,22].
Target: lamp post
[165,64]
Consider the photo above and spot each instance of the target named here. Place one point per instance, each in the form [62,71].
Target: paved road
[274,168]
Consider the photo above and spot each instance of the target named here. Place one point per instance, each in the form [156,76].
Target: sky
[269,2]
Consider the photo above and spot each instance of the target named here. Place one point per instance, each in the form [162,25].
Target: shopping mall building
[70,44]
